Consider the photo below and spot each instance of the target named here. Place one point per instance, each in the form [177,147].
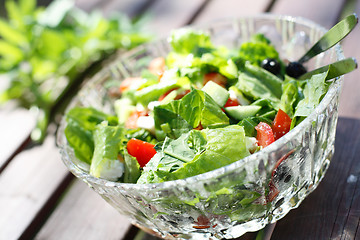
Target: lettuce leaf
[196,152]
[187,41]
[132,168]
[105,163]
[170,80]
[253,87]
[180,116]
[81,123]
[291,95]
[271,81]
[314,90]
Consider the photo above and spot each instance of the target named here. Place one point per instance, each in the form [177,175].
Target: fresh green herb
[43,50]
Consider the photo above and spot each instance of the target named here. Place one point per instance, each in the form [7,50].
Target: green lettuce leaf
[254,88]
[272,82]
[170,80]
[196,152]
[179,116]
[105,163]
[132,168]
[291,95]
[314,90]
[187,41]
[81,123]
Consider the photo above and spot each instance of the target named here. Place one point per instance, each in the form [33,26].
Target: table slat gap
[40,218]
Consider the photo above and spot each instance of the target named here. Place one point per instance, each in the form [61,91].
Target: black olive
[271,65]
[295,69]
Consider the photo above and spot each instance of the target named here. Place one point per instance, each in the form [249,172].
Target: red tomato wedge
[231,102]
[126,84]
[216,78]
[273,192]
[281,124]
[264,135]
[131,122]
[142,151]
[202,222]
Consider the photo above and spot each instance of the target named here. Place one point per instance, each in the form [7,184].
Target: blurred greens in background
[44,49]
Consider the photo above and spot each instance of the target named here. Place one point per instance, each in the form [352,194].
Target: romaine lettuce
[81,122]
[105,163]
[196,152]
[187,113]
[314,90]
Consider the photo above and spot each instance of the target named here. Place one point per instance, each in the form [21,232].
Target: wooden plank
[83,210]
[332,211]
[323,12]
[89,5]
[219,9]
[130,7]
[26,185]
[349,100]
[15,127]
[166,15]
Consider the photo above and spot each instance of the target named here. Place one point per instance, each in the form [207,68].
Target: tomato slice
[202,222]
[231,102]
[281,124]
[157,66]
[131,122]
[142,151]
[264,134]
[126,84]
[273,192]
[216,78]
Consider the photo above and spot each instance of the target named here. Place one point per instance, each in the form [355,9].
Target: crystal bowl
[246,195]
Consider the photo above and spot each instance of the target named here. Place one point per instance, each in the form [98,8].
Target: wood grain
[15,127]
[83,214]
[218,9]
[26,185]
[323,12]
[129,7]
[332,210]
[166,15]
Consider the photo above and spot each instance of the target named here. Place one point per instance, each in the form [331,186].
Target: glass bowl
[246,195]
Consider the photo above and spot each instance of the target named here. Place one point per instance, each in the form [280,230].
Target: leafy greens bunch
[197,132]
[43,50]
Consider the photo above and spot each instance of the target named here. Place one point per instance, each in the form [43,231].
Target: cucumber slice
[241,112]
[216,92]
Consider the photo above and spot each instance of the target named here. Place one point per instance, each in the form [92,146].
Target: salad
[197,109]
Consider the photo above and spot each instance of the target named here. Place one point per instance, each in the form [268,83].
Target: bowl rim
[334,89]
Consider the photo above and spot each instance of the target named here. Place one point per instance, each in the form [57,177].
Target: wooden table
[40,199]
